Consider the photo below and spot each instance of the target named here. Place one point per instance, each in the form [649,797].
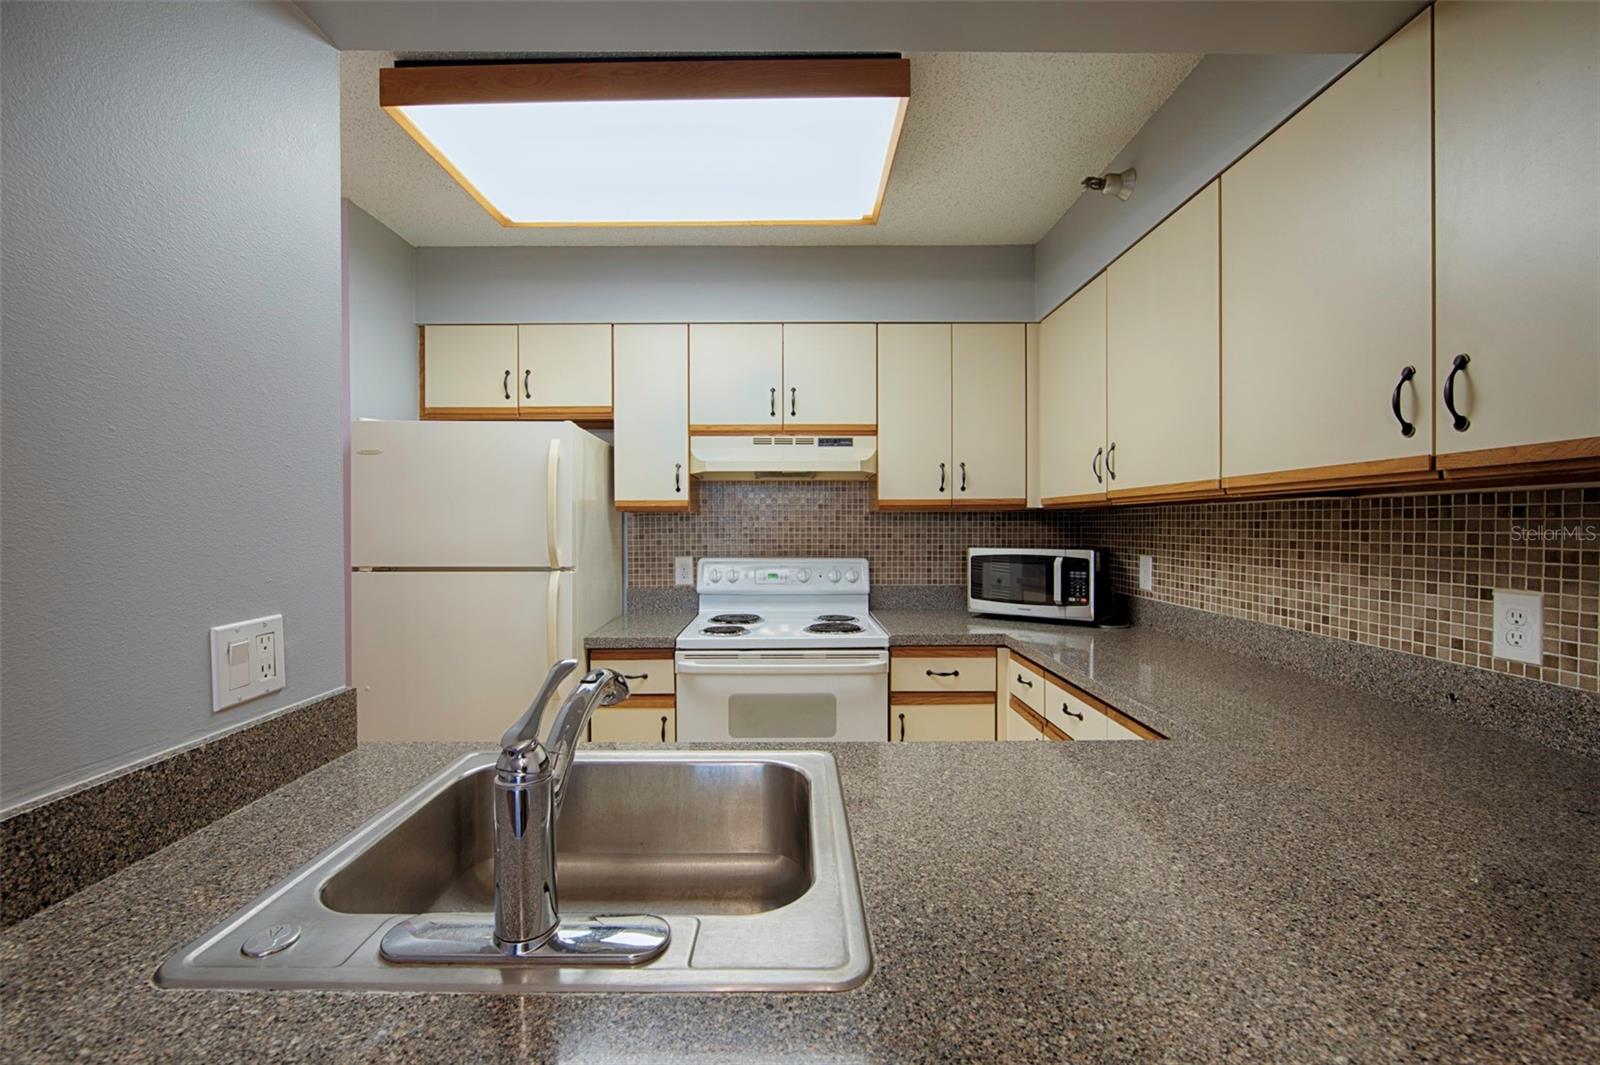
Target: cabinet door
[1517,105]
[1018,727]
[830,378]
[564,371]
[1327,282]
[1163,360]
[989,421]
[651,440]
[914,416]
[630,723]
[1072,715]
[735,374]
[917,722]
[1072,399]
[469,370]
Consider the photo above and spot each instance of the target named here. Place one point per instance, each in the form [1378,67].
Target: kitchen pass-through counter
[1302,872]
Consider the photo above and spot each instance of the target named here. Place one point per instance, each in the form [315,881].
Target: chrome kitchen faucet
[530,784]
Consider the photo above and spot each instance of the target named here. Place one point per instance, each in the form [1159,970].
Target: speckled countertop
[1302,874]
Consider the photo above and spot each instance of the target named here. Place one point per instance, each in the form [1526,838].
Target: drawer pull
[1023,680]
[1458,421]
[663,728]
[1406,428]
[635,676]
[944,672]
[902,728]
[1065,709]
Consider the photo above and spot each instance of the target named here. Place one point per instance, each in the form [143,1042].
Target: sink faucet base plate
[468,939]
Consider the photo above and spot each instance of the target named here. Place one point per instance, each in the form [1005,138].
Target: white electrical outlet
[246,661]
[1519,626]
[683,570]
[1147,573]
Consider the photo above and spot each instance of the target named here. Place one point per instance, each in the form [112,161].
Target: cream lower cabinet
[988,419]
[830,378]
[1019,725]
[641,719]
[913,416]
[469,371]
[651,410]
[564,372]
[1072,400]
[735,377]
[1163,359]
[920,718]
[1517,172]
[1327,305]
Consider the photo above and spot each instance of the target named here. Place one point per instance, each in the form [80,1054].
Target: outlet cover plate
[224,697]
[1147,573]
[683,570]
[1519,626]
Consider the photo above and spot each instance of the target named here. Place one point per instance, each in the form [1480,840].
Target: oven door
[1022,583]
[761,696]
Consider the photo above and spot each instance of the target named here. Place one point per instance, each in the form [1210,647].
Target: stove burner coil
[724,630]
[827,627]
[836,617]
[736,619]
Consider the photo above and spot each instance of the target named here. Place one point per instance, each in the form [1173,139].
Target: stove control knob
[852,575]
[733,576]
[714,575]
[833,575]
[802,575]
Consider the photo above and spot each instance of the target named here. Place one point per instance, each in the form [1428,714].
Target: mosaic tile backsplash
[1411,573]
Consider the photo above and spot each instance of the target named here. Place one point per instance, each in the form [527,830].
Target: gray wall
[1227,104]
[739,284]
[381,314]
[173,397]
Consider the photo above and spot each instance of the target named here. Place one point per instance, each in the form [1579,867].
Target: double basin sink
[746,855]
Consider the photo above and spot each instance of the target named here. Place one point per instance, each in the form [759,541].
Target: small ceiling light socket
[1118,185]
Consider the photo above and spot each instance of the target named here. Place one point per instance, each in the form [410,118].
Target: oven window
[1012,578]
[777,716]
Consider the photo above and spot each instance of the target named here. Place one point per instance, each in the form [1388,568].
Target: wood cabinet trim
[654,505]
[931,651]
[1051,732]
[774,428]
[662,701]
[974,698]
[1346,474]
[1030,715]
[810,429]
[1585,449]
[909,504]
[609,654]
[477,414]
[989,504]
[1027,664]
[1087,499]
[565,414]
[1183,490]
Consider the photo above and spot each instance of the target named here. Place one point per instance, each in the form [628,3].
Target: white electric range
[782,649]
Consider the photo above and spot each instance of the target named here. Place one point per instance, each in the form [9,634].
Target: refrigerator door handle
[552,620]
[552,499]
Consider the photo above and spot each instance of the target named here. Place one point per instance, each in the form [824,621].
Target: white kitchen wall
[171,388]
[1224,106]
[725,284]
[381,274]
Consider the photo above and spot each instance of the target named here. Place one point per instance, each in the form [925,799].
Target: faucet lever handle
[525,733]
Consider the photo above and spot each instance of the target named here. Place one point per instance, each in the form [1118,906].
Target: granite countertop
[640,628]
[1302,873]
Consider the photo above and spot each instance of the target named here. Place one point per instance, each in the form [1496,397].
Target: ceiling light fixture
[661,142]
[1118,185]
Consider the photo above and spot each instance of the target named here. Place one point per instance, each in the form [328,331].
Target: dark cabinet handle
[636,676]
[1095,465]
[963,476]
[772,402]
[1069,713]
[941,477]
[663,728]
[1023,680]
[506,384]
[902,728]
[944,673]
[677,477]
[792,392]
[1111,453]
[1458,421]
[526,394]
[1406,428]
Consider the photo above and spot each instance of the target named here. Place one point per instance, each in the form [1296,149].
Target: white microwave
[1026,582]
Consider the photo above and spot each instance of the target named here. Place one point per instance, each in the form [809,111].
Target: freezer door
[451,656]
[458,494]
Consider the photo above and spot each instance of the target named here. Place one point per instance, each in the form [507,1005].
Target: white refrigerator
[481,552]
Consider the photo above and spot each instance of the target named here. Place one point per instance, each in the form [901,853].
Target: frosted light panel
[668,161]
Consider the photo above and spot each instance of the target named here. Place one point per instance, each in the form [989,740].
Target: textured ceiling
[993,149]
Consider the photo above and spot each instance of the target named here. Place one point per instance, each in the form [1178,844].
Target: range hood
[783,458]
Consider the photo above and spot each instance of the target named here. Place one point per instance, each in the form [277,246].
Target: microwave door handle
[1057,583]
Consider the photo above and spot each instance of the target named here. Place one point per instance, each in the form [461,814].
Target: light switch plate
[259,642]
[1147,573]
[683,570]
[1519,626]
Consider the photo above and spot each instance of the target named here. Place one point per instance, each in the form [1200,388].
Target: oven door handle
[776,666]
[1056,584]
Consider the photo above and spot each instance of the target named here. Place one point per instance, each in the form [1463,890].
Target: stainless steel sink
[745,854]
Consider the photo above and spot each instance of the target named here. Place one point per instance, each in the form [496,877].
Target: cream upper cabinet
[735,376]
[989,424]
[469,370]
[1327,281]
[830,377]
[1163,363]
[564,370]
[914,415]
[1072,399]
[1517,122]
[651,439]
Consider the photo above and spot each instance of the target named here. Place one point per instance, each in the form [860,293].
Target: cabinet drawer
[1072,715]
[942,669]
[1025,681]
[917,722]
[645,675]
[634,721]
